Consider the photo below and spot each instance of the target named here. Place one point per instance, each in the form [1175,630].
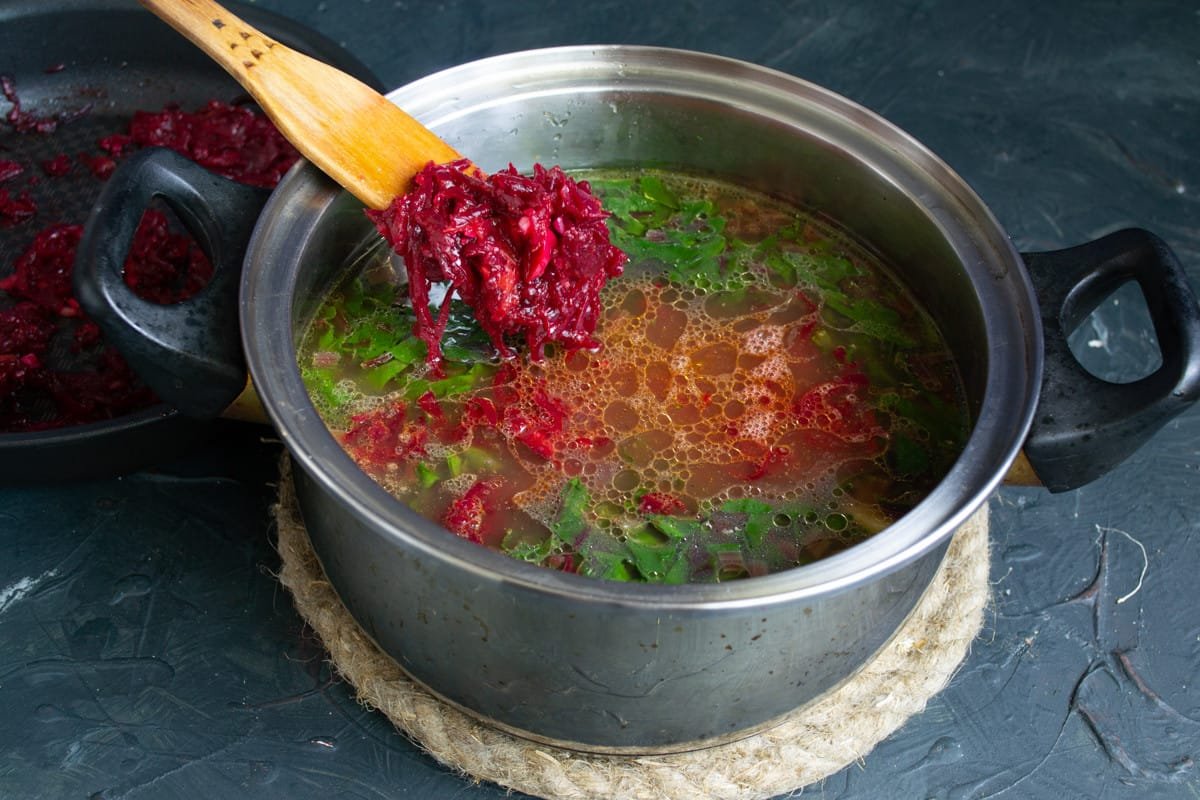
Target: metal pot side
[612,667]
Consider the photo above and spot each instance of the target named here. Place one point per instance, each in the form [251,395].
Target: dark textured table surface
[148,651]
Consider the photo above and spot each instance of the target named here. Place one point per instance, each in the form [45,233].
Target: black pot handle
[1085,426]
[189,353]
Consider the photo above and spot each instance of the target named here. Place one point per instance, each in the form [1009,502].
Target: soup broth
[766,394]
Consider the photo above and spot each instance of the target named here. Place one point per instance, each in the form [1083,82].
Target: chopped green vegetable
[571,524]
[649,222]
[676,527]
[609,566]
[479,460]
[907,457]
[746,505]
[325,388]
[427,475]
[662,563]
[656,191]
[939,419]
[826,271]
[450,386]
[528,551]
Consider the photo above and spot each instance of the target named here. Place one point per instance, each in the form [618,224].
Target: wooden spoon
[347,129]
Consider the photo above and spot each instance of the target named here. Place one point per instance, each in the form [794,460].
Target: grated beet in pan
[37,306]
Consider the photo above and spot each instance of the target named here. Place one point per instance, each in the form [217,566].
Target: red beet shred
[9,169]
[230,140]
[24,121]
[528,254]
[36,299]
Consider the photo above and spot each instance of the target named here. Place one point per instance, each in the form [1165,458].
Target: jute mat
[811,743]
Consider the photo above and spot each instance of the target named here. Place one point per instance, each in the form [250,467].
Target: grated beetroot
[230,140]
[22,121]
[19,375]
[100,166]
[9,169]
[25,330]
[116,144]
[466,515]
[385,435]
[58,166]
[528,255]
[27,122]
[163,267]
[840,407]
[42,274]
[660,503]
[16,209]
[109,389]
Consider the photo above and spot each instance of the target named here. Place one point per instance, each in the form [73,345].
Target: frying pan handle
[189,353]
[1085,426]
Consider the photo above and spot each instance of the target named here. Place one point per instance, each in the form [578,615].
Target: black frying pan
[112,58]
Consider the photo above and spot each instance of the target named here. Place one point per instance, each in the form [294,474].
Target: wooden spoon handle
[351,132]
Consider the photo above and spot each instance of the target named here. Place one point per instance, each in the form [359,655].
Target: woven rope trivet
[813,742]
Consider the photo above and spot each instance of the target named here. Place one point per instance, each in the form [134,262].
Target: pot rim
[1014,352]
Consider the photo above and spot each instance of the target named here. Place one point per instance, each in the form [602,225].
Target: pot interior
[620,107]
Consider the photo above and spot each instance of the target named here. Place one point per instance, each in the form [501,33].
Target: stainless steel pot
[627,668]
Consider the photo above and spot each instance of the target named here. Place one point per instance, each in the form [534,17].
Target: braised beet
[528,254]
[230,140]
[37,389]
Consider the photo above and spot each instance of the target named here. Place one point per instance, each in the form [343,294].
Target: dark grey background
[148,651]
